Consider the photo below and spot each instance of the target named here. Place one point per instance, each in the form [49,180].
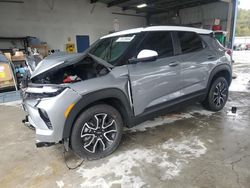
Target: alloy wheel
[220,94]
[99,133]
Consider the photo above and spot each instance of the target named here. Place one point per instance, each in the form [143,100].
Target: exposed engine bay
[83,70]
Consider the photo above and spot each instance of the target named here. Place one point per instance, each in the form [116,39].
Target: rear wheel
[97,132]
[218,95]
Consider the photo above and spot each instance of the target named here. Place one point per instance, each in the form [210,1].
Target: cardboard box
[42,49]
[6,78]
[19,56]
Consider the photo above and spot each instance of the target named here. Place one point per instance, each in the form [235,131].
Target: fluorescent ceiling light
[142,5]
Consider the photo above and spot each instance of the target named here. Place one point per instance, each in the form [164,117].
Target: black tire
[218,95]
[97,132]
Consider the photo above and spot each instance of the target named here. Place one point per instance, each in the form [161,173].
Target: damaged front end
[67,68]
[48,96]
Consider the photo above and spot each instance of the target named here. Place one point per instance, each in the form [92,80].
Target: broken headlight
[42,92]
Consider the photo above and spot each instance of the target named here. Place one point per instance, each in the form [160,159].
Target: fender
[217,69]
[91,98]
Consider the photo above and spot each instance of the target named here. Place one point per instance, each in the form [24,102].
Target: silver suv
[85,100]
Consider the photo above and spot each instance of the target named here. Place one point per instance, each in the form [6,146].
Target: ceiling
[154,6]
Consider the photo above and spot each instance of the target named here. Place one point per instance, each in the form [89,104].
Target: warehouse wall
[205,14]
[198,16]
[68,18]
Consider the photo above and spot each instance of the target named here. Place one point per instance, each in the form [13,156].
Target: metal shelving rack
[24,41]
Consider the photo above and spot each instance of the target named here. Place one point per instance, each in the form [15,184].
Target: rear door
[196,58]
[156,82]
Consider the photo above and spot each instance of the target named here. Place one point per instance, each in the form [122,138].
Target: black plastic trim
[44,144]
[43,114]
[216,70]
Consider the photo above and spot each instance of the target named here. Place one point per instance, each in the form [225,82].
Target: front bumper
[55,108]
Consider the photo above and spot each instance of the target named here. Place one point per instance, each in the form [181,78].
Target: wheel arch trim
[216,70]
[94,97]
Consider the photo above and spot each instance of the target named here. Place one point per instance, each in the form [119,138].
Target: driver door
[156,82]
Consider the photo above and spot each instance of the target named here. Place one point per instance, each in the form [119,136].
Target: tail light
[229,52]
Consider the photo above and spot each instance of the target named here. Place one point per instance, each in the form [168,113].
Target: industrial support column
[234,20]
[231,21]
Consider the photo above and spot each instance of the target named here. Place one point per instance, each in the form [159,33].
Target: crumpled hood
[63,59]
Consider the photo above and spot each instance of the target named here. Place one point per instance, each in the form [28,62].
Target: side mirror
[144,56]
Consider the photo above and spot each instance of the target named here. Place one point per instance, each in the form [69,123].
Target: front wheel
[218,95]
[97,132]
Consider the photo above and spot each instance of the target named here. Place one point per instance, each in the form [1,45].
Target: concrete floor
[191,148]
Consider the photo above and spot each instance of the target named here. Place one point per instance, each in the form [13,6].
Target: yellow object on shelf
[2,75]
[70,47]
[6,77]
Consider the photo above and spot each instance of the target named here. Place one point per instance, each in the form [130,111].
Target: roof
[159,28]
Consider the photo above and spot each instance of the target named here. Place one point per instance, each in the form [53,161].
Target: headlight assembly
[42,92]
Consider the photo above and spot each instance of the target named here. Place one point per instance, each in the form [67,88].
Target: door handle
[210,57]
[173,64]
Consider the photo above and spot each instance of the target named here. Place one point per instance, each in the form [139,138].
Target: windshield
[110,49]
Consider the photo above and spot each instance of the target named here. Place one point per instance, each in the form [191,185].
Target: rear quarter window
[211,42]
[190,42]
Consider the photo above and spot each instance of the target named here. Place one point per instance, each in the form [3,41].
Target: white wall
[68,19]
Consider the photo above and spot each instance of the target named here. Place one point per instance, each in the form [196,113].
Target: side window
[190,42]
[161,42]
